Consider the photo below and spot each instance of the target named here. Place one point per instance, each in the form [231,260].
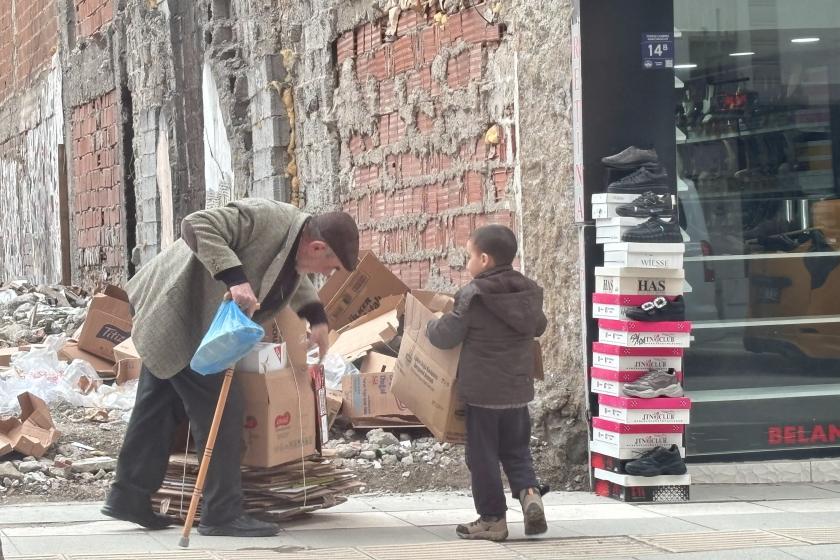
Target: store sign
[657,50]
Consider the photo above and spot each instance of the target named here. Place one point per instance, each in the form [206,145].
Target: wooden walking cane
[208,453]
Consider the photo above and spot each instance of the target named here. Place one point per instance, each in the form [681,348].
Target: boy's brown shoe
[532,509]
[484,528]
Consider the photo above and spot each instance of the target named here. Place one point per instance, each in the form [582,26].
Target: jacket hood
[511,297]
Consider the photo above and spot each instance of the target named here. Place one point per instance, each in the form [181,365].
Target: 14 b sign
[657,50]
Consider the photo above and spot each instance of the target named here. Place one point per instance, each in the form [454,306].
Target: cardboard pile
[279,491]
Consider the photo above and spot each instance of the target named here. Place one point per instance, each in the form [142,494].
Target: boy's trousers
[494,436]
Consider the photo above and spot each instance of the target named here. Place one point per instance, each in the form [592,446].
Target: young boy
[496,317]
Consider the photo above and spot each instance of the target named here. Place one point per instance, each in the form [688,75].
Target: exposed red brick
[452,31]
[458,70]
[345,47]
[501,180]
[387,100]
[474,183]
[363,68]
[429,44]
[403,54]
[378,67]
[410,166]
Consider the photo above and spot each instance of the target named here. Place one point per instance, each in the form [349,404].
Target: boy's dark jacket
[496,316]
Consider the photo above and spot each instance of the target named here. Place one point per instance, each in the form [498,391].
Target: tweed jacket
[175,296]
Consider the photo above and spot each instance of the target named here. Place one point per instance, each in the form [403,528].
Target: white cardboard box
[609,230]
[609,382]
[629,481]
[265,357]
[604,204]
[637,334]
[639,437]
[613,450]
[639,281]
[661,410]
[644,255]
[618,358]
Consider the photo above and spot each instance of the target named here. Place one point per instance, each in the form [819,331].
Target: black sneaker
[144,517]
[242,526]
[655,230]
[647,205]
[630,158]
[659,309]
[660,461]
[640,181]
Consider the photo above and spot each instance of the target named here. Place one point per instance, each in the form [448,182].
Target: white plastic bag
[335,368]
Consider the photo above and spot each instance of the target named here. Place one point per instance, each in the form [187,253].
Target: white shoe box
[609,230]
[636,334]
[639,281]
[608,382]
[605,204]
[613,450]
[661,410]
[644,255]
[614,306]
[629,481]
[618,358]
[636,438]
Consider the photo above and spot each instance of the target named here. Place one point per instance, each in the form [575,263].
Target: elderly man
[248,245]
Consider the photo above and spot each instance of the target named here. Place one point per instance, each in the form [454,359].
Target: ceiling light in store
[805,40]
[684,66]
[745,53]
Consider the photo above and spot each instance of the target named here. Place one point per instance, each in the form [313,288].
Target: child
[496,317]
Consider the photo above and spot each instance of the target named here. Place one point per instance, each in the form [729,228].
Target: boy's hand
[320,335]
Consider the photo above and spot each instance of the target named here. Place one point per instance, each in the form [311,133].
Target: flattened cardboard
[33,432]
[424,377]
[367,334]
[108,323]
[348,296]
[375,362]
[370,403]
[71,351]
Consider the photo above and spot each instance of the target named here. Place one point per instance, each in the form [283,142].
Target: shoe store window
[757,107]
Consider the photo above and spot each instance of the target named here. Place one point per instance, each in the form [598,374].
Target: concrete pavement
[721,521]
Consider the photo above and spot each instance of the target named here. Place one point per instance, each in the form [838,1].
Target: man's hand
[245,298]
[320,335]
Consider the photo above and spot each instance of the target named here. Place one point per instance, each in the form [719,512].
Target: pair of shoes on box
[648,175]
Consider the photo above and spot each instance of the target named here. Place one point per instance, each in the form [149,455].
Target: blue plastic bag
[231,335]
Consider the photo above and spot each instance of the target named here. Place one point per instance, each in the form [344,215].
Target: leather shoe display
[655,230]
[144,517]
[647,205]
[660,309]
[640,181]
[630,158]
[242,526]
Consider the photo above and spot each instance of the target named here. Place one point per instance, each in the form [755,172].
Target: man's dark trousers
[494,436]
[160,406]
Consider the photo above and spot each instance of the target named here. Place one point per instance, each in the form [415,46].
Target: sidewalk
[722,521]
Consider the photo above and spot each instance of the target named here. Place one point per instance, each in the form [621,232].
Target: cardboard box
[637,437]
[128,364]
[108,323]
[609,382]
[374,331]
[615,306]
[424,377]
[639,281]
[31,433]
[629,481]
[619,358]
[644,255]
[335,399]
[71,351]
[610,230]
[348,296]
[661,410]
[265,357]
[638,334]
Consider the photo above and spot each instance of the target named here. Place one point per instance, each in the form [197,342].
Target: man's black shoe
[640,181]
[660,309]
[242,526]
[630,158]
[659,461]
[655,230]
[145,518]
[647,205]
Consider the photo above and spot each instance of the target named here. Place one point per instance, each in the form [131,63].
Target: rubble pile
[379,449]
[30,313]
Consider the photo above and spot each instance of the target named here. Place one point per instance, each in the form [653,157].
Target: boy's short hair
[497,241]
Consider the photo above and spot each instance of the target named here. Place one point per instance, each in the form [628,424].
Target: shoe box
[610,230]
[614,306]
[632,410]
[619,358]
[635,438]
[639,281]
[609,382]
[604,205]
[644,255]
[637,334]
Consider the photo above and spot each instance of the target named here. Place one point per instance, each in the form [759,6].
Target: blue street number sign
[657,50]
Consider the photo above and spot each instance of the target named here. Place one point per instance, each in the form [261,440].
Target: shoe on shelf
[646,205]
[242,526]
[485,528]
[655,383]
[533,510]
[659,309]
[655,230]
[641,180]
[659,461]
[630,158]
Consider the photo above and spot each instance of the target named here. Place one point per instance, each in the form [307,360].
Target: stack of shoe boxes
[637,444]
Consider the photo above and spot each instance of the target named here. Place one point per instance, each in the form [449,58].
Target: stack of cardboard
[280,492]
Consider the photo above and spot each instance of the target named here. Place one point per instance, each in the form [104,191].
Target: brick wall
[28,40]
[93,15]
[421,177]
[97,197]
